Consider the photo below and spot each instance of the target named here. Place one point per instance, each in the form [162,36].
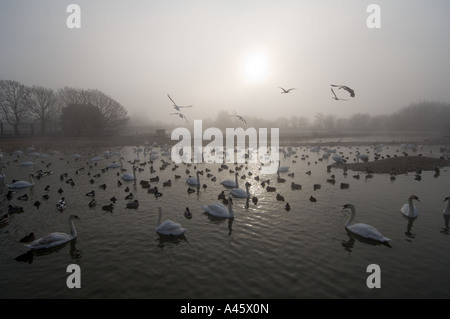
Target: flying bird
[239,117]
[180,115]
[286,91]
[177,107]
[349,90]
[337,98]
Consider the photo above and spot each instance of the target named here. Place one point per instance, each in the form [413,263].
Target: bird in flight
[180,115]
[240,118]
[337,98]
[349,90]
[175,106]
[286,91]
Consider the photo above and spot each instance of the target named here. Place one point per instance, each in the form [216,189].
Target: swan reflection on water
[352,238]
[28,257]
[446,229]
[409,226]
[167,240]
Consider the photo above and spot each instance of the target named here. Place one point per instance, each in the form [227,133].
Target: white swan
[447,209]
[194,181]
[228,183]
[116,165]
[22,184]
[282,168]
[168,227]
[338,159]
[363,230]
[55,239]
[410,210]
[220,210]
[239,192]
[130,177]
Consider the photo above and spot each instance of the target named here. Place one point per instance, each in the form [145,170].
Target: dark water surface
[264,252]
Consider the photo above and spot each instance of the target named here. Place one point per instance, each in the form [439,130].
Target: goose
[55,239]
[447,209]
[130,177]
[219,210]
[193,181]
[177,107]
[410,210]
[22,184]
[168,227]
[228,183]
[363,230]
[187,213]
[238,192]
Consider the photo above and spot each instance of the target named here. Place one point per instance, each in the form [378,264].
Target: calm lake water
[264,252]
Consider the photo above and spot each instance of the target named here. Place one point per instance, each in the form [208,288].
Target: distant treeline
[419,117]
[68,110]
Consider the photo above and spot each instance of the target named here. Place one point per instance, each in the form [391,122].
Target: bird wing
[349,90]
[171,99]
[334,93]
[185,106]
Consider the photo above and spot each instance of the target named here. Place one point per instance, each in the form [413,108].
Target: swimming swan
[239,192]
[363,230]
[230,184]
[55,239]
[220,210]
[130,177]
[410,210]
[168,227]
[22,184]
[194,181]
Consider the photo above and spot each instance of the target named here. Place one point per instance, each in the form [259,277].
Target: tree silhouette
[82,120]
[14,103]
[42,105]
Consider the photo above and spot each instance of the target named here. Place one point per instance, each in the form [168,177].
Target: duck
[37,204]
[61,205]
[15,209]
[23,197]
[312,199]
[280,198]
[133,205]
[91,194]
[287,207]
[129,196]
[410,210]
[28,238]
[295,186]
[255,200]
[191,190]
[92,203]
[55,239]
[220,210]
[4,219]
[168,227]
[187,213]
[363,230]
[108,207]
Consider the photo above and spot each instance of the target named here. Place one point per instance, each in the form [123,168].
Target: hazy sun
[255,66]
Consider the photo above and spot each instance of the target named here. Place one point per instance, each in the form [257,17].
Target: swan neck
[352,216]
[73,231]
[159,218]
[448,205]
[411,205]
[236,180]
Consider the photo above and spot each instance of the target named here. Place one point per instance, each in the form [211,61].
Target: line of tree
[21,104]
[418,117]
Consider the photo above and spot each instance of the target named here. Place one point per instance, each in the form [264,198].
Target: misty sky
[232,55]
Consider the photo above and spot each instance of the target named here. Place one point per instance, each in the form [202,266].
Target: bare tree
[42,104]
[14,103]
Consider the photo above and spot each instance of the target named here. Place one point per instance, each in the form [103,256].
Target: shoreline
[44,144]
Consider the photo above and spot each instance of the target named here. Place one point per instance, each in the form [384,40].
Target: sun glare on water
[255,66]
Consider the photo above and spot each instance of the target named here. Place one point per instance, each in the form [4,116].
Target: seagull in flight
[175,106]
[180,115]
[349,90]
[286,91]
[336,98]
[240,118]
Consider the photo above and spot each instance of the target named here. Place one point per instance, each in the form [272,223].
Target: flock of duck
[222,209]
